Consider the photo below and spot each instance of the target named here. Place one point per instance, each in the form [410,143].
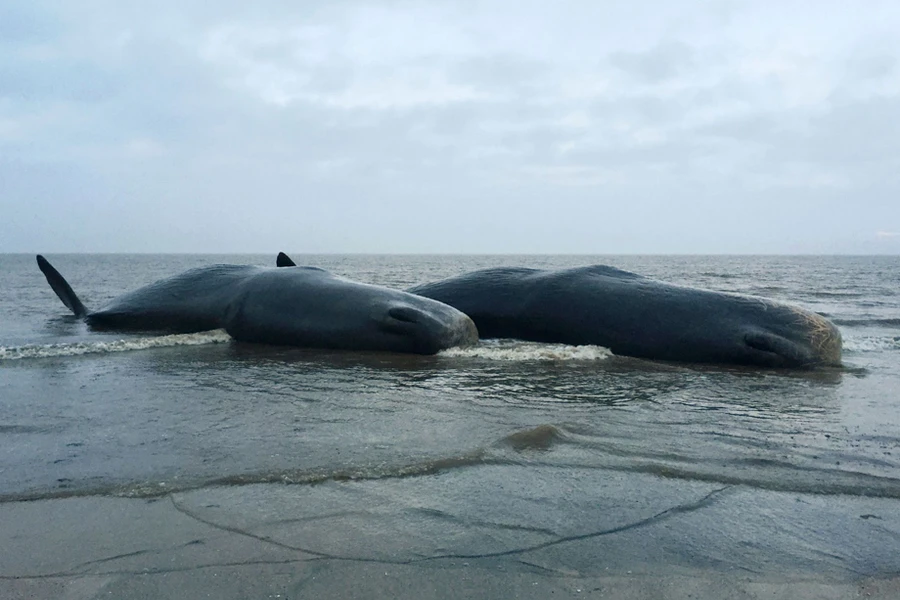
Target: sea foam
[216,336]
[509,350]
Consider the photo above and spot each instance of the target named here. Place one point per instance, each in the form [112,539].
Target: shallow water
[544,434]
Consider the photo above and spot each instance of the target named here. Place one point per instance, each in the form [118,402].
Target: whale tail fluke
[61,287]
[284,260]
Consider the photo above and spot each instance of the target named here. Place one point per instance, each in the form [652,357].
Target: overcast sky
[429,127]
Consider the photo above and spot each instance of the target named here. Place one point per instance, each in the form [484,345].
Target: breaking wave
[872,343]
[868,322]
[216,336]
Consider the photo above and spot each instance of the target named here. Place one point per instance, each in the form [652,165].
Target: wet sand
[267,541]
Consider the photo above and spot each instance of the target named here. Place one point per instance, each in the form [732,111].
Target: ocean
[521,456]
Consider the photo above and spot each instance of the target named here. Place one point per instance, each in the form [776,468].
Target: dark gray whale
[305,306]
[636,316]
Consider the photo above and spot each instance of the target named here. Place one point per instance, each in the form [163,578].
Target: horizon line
[321,253]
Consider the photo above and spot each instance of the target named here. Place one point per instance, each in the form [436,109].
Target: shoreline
[251,542]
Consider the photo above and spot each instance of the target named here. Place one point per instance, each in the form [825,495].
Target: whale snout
[826,342]
[430,329]
[463,333]
[810,341]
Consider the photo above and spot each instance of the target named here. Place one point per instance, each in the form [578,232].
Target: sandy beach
[261,541]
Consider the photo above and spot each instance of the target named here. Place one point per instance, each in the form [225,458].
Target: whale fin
[284,260]
[791,353]
[61,287]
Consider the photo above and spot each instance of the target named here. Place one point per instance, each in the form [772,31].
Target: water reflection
[500,383]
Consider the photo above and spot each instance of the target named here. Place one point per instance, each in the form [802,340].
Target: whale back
[196,300]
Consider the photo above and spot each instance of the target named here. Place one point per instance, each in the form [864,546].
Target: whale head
[309,307]
[802,339]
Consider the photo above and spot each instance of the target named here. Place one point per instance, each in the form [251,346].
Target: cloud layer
[394,126]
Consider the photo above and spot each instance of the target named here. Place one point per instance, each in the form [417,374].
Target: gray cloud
[449,127]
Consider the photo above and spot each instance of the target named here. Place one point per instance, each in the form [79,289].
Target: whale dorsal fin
[284,260]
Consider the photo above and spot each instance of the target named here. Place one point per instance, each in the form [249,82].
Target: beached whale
[636,316]
[306,307]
